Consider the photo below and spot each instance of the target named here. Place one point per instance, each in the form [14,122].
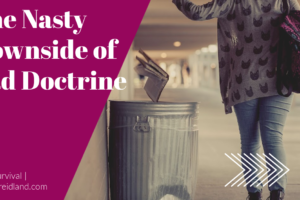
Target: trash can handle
[142,124]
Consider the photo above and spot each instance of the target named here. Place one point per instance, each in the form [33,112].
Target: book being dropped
[157,77]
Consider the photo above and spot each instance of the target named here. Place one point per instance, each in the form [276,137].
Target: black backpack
[288,66]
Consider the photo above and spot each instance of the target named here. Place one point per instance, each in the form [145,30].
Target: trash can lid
[154,108]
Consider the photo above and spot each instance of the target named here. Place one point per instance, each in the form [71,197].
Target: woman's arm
[213,9]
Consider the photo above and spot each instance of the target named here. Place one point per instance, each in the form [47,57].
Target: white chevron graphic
[255,164]
[262,169]
[287,170]
[263,174]
[269,174]
[251,166]
[236,175]
[242,164]
[274,171]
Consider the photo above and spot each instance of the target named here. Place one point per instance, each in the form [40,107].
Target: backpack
[288,66]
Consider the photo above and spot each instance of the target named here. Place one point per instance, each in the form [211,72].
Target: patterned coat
[248,34]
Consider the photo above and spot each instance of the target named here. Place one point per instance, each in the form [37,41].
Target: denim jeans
[264,119]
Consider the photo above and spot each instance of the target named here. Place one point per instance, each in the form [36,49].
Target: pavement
[219,134]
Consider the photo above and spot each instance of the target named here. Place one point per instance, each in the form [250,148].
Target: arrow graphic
[287,170]
[263,174]
[251,174]
[275,171]
[237,165]
[262,169]
[269,174]
[245,166]
[255,164]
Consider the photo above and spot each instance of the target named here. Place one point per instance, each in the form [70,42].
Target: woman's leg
[272,116]
[247,117]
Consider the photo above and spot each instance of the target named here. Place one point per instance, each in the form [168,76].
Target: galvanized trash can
[153,150]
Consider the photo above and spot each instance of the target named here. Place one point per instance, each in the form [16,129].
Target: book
[157,77]
[152,63]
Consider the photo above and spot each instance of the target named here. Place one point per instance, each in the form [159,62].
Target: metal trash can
[153,150]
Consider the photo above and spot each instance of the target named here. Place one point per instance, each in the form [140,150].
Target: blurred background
[187,50]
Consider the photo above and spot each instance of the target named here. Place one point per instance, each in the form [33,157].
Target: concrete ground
[218,134]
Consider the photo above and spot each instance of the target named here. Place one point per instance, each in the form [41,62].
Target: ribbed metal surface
[147,165]
[150,108]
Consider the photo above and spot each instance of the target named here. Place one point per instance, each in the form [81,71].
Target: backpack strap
[283,78]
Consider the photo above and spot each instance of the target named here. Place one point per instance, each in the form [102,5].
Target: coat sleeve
[212,9]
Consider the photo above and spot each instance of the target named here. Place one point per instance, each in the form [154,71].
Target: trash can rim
[153,108]
[150,102]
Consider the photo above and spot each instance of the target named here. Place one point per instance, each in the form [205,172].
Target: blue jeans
[263,118]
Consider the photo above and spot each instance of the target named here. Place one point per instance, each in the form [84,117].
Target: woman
[248,34]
